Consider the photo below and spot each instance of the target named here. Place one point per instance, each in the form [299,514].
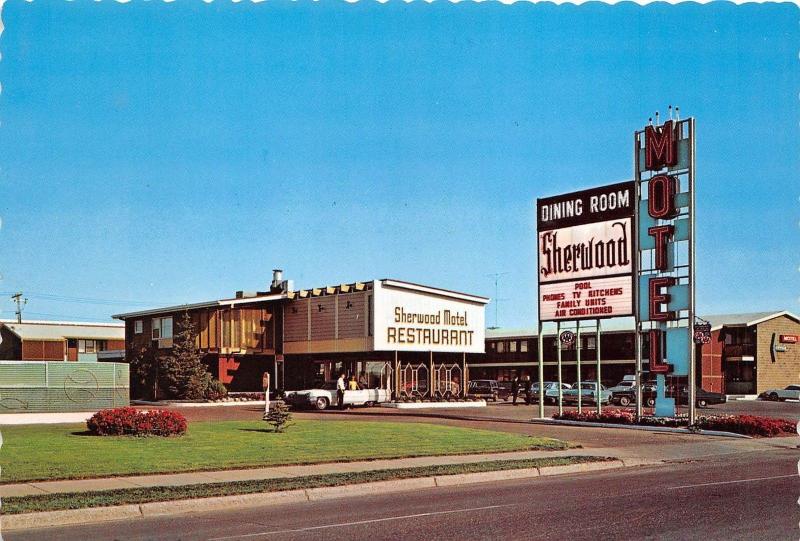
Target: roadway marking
[361,522]
[731,482]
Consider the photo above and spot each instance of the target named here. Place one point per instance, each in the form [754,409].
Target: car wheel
[774,397]
[624,401]
[321,403]
[702,403]
[651,402]
[369,404]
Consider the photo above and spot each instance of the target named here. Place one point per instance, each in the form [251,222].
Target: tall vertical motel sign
[664,172]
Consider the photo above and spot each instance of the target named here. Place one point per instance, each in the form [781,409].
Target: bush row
[132,422]
[750,425]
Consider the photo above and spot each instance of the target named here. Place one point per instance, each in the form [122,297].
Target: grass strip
[104,498]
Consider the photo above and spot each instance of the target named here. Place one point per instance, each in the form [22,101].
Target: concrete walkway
[633,455]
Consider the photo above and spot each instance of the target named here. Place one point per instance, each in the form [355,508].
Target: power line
[69,317]
[85,300]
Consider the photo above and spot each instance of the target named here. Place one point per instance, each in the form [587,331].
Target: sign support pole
[637,175]
[558,350]
[692,366]
[540,355]
[578,365]
[599,396]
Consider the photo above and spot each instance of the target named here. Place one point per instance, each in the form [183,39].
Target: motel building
[747,354]
[32,340]
[409,338]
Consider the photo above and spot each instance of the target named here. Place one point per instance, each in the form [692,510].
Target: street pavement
[744,495]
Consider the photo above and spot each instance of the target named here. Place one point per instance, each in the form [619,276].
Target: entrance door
[278,375]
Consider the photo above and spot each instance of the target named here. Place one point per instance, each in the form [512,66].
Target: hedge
[132,422]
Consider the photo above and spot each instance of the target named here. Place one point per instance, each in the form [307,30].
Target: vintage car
[550,391]
[792,392]
[488,389]
[323,397]
[588,393]
[627,397]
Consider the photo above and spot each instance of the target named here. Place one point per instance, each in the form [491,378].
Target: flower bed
[132,422]
[622,417]
[750,425]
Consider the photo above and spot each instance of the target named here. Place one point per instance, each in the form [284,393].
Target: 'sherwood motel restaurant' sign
[627,249]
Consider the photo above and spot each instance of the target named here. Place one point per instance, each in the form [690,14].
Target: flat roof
[60,330]
[392,282]
[627,324]
[307,292]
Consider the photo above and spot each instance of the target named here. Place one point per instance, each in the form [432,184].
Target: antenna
[17,298]
[670,112]
[677,113]
[497,299]
[656,118]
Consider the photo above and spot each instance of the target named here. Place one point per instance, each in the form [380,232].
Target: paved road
[741,496]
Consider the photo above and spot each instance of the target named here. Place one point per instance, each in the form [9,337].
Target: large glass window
[512,346]
[86,346]
[162,327]
[523,346]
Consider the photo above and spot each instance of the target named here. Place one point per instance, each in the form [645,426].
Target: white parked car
[792,392]
[324,397]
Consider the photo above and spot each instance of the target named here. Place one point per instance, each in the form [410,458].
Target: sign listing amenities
[586,299]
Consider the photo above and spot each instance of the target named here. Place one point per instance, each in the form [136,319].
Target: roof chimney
[277,278]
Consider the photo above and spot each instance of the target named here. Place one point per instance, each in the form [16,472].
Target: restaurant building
[748,353]
[410,338]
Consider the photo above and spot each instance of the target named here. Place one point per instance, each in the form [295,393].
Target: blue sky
[168,153]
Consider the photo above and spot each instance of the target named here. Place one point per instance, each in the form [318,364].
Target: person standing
[340,387]
[515,389]
[265,386]
[527,389]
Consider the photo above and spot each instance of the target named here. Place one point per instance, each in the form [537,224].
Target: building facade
[410,338]
[748,354]
[61,341]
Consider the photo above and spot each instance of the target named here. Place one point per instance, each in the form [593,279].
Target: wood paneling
[351,315]
[42,350]
[323,318]
[295,320]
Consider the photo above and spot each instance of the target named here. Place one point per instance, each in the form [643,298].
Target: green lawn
[38,452]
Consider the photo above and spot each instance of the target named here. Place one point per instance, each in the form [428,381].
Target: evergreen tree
[182,373]
[278,416]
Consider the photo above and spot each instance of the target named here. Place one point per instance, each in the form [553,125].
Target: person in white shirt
[340,387]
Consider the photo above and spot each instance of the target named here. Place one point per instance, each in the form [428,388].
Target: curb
[674,430]
[47,519]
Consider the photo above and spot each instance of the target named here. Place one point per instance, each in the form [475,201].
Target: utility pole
[497,299]
[17,298]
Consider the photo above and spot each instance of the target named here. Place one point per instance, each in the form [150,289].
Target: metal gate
[386,376]
[413,380]
[447,380]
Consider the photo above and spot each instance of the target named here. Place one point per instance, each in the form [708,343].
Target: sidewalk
[632,455]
